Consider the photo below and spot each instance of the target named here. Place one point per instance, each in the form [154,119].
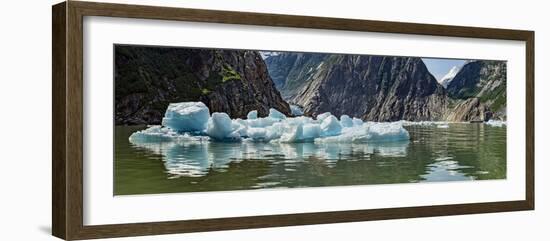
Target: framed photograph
[171,120]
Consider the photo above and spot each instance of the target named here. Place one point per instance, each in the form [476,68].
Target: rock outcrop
[147,79]
[480,86]
[470,110]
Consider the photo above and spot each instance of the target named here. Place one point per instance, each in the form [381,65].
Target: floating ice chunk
[186,116]
[274,131]
[357,122]
[443,126]
[393,131]
[220,128]
[345,121]
[311,131]
[252,115]
[321,117]
[299,120]
[296,110]
[275,114]
[257,134]
[240,126]
[496,123]
[330,126]
[355,134]
[291,133]
[262,122]
[153,134]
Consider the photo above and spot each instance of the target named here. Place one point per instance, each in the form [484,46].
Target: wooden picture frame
[67,150]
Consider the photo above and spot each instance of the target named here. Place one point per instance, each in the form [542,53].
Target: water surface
[458,153]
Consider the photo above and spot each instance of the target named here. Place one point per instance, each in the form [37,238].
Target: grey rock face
[470,110]
[484,81]
[147,79]
[375,88]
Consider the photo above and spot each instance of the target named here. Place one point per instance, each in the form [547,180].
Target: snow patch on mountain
[445,80]
[267,54]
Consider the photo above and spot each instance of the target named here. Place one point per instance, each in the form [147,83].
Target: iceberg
[330,126]
[496,123]
[240,126]
[220,127]
[252,115]
[292,133]
[186,116]
[345,121]
[261,122]
[296,110]
[275,114]
[311,131]
[257,134]
[357,121]
[321,117]
[191,122]
[392,131]
[153,134]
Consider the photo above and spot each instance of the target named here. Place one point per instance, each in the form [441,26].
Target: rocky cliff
[375,88]
[147,79]
[479,87]
[292,70]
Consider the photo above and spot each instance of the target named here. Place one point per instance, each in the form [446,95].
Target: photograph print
[202,119]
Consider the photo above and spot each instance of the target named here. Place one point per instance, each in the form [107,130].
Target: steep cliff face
[482,83]
[375,88]
[291,71]
[231,81]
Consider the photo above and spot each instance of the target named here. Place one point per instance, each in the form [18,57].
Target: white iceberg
[296,110]
[357,121]
[153,134]
[275,114]
[186,116]
[392,131]
[496,123]
[261,122]
[321,117]
[292,133]
[252,115]
[311,131]
[330,126]
[345,121]
[191,122]
[220,127]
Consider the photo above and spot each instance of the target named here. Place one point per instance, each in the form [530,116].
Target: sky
[440,67]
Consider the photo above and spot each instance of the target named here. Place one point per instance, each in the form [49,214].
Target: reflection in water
[460,152]
[194,159]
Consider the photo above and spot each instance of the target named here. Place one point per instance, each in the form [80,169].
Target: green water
[458,153]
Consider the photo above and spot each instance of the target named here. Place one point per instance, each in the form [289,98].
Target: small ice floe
[345,121]
[186,116]
[220,127]
[296,110]
[192,121]
[154,133]
[443,126]
[496,123]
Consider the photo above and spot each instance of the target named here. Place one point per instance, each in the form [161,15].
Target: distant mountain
[147,79]
[290,71]
[267,54]
[480,85]
[445,80]
[376,88]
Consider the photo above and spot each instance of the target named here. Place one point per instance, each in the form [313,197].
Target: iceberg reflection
[196,158]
